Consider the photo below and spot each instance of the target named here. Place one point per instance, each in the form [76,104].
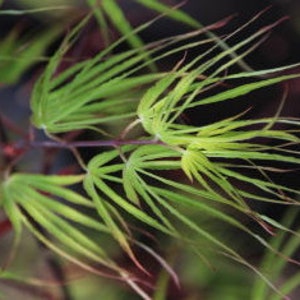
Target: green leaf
[96,176]
[103,211]
[117,17]
[173,13]
[242,90]
[42,87]
[17,12]
[274,266]
[18,54]
[36,195]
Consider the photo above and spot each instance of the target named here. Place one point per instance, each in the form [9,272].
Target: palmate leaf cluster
[173,176]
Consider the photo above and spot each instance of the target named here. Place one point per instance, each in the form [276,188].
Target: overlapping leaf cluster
[32,197]
[172,169]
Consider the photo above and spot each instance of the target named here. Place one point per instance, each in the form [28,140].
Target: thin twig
[90,144]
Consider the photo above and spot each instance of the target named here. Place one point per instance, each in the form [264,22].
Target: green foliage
[32,197]
[17,54]
[287,243]
[173,178]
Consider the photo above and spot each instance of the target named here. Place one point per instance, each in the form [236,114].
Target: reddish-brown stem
[89,144]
